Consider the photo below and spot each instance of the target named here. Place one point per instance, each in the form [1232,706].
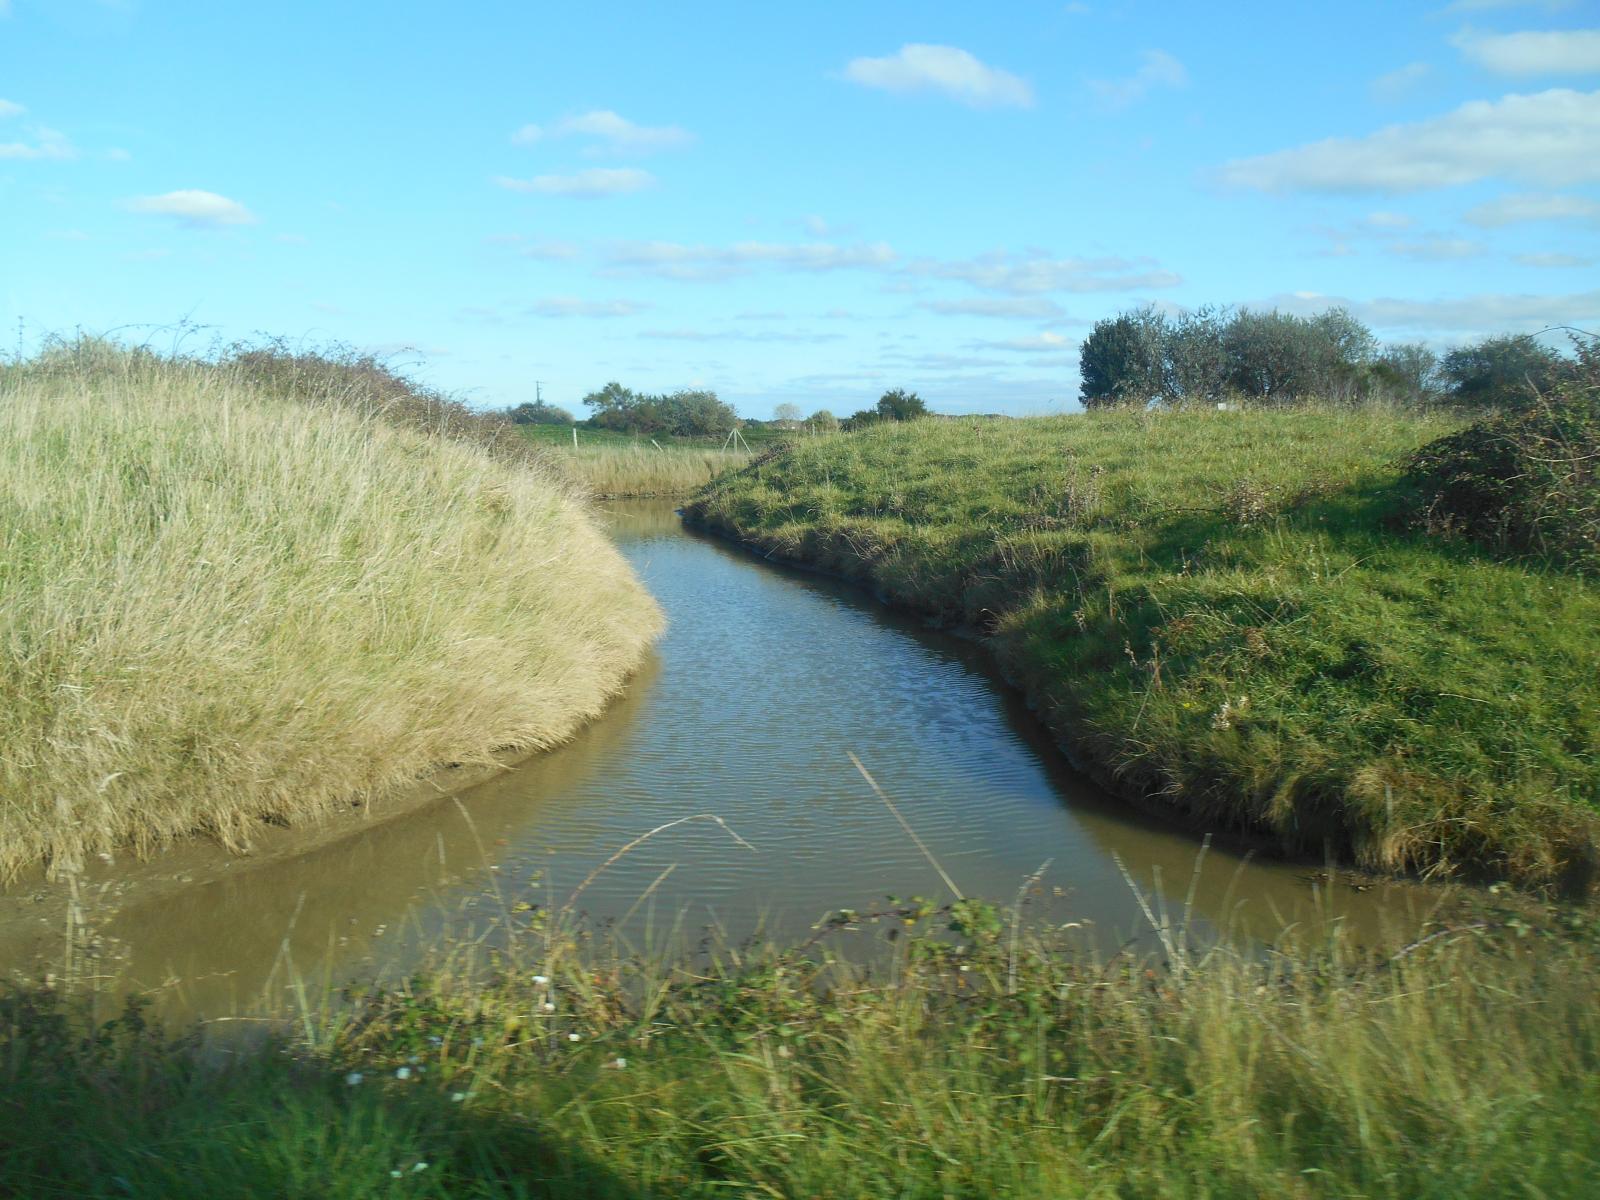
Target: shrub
[538,413]
[1523,481]
[1501,372]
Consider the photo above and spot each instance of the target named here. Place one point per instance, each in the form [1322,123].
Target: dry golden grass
[224,606]
[628,471]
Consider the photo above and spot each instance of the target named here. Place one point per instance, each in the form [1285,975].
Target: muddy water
[748,710]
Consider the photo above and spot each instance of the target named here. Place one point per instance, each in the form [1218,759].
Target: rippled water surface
[764,684]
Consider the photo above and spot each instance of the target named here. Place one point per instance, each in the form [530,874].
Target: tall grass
[621,471]
[1232,615]
[229,601]
[972,1063]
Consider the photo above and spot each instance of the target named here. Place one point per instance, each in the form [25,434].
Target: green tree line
[1216,354]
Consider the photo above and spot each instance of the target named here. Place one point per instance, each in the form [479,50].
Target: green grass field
[227,603]
[1229,614]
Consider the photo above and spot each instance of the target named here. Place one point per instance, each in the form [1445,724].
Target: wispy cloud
[1436,249]
[1551,137]
[1036,273]
[1555,260]
[675,260]
[194,209]
[739,335]
[947,70]
[573,306]
[1157,69]
[1516,210]
[1542,52]
[1051,343]
[1396,85]
[994,306]
[10,108]
[610,130]
[588,184]
[1457,316]
[46,144]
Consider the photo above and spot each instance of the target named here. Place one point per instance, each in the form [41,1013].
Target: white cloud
[1551,137]
[1461,316]
[543,251]
[1489,5]
[573,306]
[1513,210]
[46,144]
[10,108]
[1544,52]
[1554,261]
[1051,343]
[1019,306]
[1036,273]
[946,69]
[675,260]
[739,335]
[1436,249]
[586,184]
[1389,220]
[1399,83]
[613,131]
[1157,69]
[195,209]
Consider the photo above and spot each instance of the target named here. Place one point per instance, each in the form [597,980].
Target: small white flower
[574,1037]
[420,1167]
[403,1073]
[541,980]
[618,1064]
[353,1078]
[549,1007]
[457,1097]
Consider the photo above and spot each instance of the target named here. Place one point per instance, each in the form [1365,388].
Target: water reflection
[764,682]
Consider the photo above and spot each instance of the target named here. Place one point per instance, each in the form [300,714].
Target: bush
[1525,481]
[342,377]
[682,413]
[538,413]
[1501,372]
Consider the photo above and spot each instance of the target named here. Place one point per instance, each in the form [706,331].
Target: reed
[969,1061]
[615,471]
[230,600]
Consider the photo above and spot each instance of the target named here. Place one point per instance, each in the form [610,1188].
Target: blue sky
[806,203]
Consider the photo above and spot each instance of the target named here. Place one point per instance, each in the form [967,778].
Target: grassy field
[229,601]
[977,1063]
[1230,614]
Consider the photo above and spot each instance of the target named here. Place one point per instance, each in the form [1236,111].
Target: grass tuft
[229,601]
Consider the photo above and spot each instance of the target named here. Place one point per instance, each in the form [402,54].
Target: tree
[788,416]
[1406,372]
[1123,360]
[1196,356]
[613,406]
[539,413]
[900,405]
[1501,372]
[822,421]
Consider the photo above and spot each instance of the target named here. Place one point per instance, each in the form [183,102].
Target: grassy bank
[976,1064]
[622,470]
[1231,614]
[234,595]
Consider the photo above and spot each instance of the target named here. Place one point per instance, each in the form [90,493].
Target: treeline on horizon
[1218,354]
